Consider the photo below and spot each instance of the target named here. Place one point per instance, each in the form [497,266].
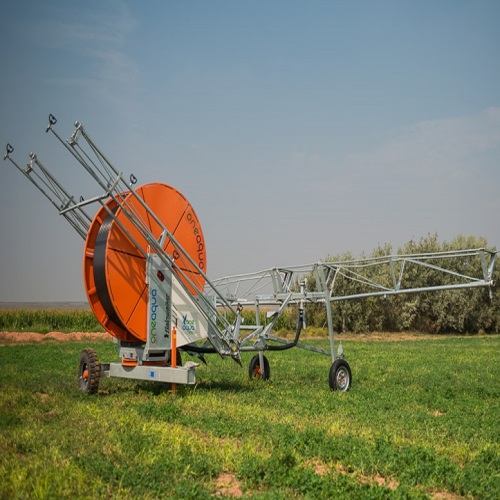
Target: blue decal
[188,324]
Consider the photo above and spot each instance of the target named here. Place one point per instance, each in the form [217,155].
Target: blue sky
[296,129]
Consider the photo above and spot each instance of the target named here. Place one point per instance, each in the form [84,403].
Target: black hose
[100,270]
[212,350]
[198,350]
[300,324]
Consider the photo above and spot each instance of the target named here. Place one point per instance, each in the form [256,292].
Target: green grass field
[422,419]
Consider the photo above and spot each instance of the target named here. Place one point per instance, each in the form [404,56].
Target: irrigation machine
[144,273]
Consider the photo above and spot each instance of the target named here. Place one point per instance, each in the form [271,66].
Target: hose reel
[114,263]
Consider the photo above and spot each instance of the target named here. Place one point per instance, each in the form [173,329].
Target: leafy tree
[460,310]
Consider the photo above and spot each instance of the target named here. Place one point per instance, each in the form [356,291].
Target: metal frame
[179,375]
[278,287]
[273,289]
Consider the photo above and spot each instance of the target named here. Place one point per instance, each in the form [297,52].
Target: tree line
[470,310]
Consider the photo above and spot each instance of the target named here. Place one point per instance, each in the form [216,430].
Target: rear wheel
[256,371]
[340,376]
[89,371]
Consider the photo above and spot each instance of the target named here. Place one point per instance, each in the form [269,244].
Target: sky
[297,130]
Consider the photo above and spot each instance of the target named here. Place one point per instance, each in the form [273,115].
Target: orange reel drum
[114,267]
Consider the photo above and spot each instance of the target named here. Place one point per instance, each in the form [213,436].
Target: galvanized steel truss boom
[273,289]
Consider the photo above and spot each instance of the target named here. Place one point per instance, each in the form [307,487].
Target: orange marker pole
[173,353]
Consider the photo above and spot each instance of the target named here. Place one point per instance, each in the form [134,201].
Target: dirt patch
[322,469]
[390,483]
[36,338]
[444,495]
[402,336]
[228,486]
[385,336]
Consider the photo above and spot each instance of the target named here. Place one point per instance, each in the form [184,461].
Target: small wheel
[255,371]
[89,372]
[340,376]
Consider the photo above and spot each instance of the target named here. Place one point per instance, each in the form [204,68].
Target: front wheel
[89,372]
[255,371]
[340,376]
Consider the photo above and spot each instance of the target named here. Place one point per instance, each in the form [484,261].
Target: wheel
[340,376]
[89,372]
[256,371]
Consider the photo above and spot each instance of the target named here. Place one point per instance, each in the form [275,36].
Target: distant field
[44,305]
[48,320]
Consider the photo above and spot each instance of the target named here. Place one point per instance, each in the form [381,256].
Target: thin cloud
[107,71]
[454,149]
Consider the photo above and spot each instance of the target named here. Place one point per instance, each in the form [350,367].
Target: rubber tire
[254,370]
[340,378]
[89,363]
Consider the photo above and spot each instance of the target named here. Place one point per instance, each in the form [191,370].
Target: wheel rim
[342,379]
[84,376]
[257,370]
